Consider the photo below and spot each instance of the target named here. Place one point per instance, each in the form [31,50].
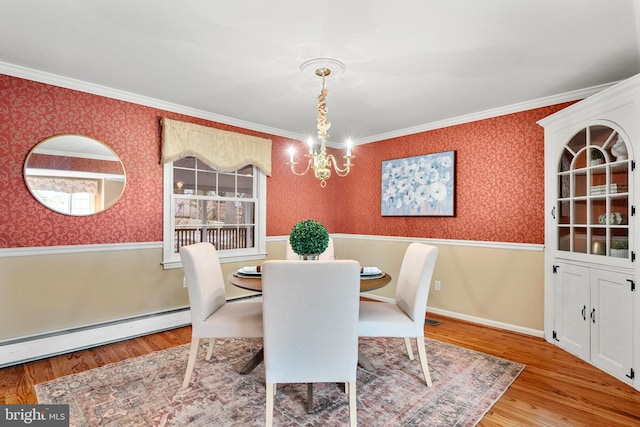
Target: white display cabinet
[592,308]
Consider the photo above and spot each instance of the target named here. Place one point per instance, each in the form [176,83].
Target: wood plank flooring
[555,389]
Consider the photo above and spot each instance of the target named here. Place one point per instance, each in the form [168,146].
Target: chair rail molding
[450,242]
[75,249]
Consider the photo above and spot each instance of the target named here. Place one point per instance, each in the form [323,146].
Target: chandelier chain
[323,124]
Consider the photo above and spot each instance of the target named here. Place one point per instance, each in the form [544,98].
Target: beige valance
[221,149]
[62,185]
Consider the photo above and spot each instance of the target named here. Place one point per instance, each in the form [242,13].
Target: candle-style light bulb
[310,142]
[291,151]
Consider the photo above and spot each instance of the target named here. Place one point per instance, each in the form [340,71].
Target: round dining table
[254,283]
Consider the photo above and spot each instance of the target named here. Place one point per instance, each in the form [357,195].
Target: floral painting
[419,186]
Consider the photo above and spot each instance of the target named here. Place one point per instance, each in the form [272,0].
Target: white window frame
[172,260]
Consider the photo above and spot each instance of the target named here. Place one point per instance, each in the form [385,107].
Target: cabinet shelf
[593,197]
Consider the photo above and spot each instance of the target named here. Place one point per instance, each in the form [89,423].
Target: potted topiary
[597,158]
[309,239]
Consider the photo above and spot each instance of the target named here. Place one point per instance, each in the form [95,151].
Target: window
[69,203]
[203,204]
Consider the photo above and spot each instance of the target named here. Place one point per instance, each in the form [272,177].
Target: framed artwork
[419,186]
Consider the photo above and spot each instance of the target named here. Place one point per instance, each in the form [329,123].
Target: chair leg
[271,391]
[212,343]
[407,343]
[353,415]
[193,352]
[422,352]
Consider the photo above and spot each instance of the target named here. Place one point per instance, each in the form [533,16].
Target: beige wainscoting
[47,291]
[498,284]
[55,289]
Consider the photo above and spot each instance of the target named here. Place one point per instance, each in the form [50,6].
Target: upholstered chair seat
[405,317]
[211,316]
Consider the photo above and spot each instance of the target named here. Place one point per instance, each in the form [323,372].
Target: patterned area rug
[145,391]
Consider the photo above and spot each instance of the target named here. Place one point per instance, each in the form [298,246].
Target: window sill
[168,265]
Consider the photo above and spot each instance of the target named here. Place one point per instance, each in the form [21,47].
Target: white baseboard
[487,322]
[472,319]
[38,347]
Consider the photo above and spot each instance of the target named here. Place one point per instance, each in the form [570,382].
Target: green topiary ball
[309,237]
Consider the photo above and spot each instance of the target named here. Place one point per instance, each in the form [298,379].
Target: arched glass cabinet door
[593,194]
[74,175]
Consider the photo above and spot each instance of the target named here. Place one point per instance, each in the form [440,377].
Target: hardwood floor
[555,388]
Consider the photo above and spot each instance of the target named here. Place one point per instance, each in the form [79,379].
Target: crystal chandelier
[321,162]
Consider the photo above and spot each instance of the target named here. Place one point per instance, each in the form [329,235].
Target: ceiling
[409,64]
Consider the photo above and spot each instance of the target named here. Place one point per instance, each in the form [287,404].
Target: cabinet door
[593,201]
[572,289]
[611,319]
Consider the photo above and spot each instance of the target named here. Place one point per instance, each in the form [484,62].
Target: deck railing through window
[222,237]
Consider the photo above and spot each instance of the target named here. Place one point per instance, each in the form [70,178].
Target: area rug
[145,391]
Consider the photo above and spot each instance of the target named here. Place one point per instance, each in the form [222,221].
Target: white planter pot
[620,253]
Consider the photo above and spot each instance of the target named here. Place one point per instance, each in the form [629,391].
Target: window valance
[221,149]
[62,185]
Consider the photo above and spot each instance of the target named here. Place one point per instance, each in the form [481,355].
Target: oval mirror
[74,175]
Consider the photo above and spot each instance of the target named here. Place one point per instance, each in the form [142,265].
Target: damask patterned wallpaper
[499,182]
[32,111]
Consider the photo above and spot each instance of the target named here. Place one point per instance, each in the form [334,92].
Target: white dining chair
[405,317]
[327,255]
[211,316]
[310,312]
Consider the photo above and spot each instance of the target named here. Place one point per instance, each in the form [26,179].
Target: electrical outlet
[184,282]
[437,283]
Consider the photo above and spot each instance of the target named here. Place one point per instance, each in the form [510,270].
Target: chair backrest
[414,281]
[205,281]
[327,255]
[310,320]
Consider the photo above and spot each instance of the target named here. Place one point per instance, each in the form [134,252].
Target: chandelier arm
[293,166]
[343,172]
[347,166]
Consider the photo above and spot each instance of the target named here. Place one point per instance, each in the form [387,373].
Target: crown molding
[69,83]
[487,114]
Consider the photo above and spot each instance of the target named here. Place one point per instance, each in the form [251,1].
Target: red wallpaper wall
[499,179]
[32,111]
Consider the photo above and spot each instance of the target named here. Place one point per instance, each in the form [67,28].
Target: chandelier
[319,161]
